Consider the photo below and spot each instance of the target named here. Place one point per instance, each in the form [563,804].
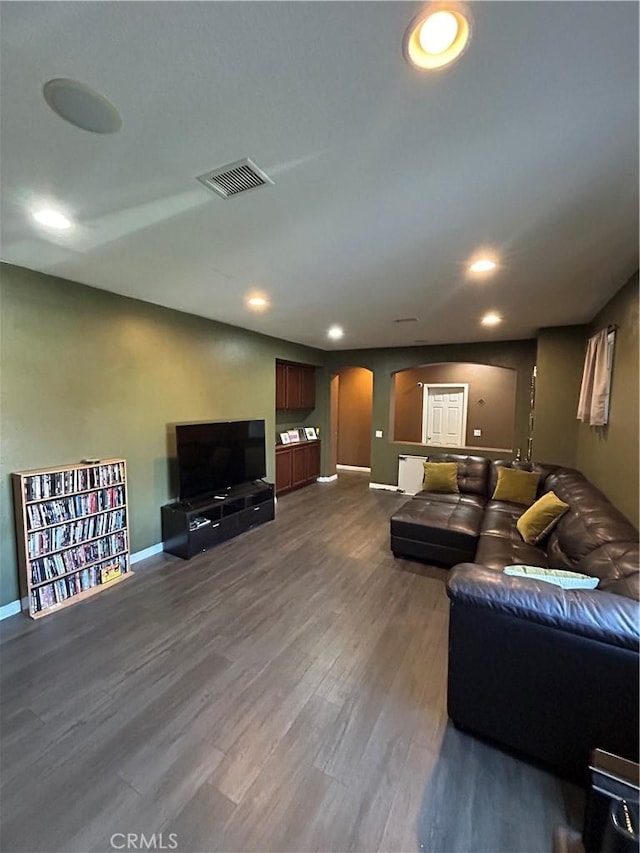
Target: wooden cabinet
[283,468]
[314,459]
[295,386]
[281,397]
[297,465]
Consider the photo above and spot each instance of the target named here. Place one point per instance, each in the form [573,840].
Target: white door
[444,415]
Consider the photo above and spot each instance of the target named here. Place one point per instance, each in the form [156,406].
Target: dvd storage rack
[72,532]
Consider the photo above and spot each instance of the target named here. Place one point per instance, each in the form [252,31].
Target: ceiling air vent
[406,320]
[234,178]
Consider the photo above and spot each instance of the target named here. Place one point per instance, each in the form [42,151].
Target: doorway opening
[351,405]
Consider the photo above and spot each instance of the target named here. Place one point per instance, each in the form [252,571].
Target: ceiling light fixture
[483,265]
[492,318]
[437,36]
[258,303]
[51,218]
[81,106]
[438,32]
[335,333]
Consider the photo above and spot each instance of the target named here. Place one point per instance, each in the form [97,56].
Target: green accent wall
[608,455]
[517,355]
[87,373]
[560,362]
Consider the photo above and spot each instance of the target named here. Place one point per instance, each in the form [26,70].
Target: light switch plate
[378,433]
[477,433]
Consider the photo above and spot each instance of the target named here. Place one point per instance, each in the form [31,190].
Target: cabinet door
[308,389]
[293,384]
[313,469]
[281,386]
[299,465]
[283,469]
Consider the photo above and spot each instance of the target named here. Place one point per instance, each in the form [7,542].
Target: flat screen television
[216,456]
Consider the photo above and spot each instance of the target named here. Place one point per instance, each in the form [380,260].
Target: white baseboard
[147,552]
[327,479]
[10,609]
[384,486]
[353,468]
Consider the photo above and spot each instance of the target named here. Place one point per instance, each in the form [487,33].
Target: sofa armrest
[602,616]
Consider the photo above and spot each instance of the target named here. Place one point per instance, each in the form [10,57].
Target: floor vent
[235,178]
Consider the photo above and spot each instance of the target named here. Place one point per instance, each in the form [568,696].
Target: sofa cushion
[441,477]
[516,486]
[439,523]
[585,612]
[500,519]
[456,498]
[496,552]
[591,520]
[617,564]
[473,471]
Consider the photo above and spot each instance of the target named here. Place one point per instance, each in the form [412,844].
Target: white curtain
[593,403]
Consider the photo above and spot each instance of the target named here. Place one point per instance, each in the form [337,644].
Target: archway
[351,403]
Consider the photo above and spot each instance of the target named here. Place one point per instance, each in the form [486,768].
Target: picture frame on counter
[284,437]
[310,433]
[293,436]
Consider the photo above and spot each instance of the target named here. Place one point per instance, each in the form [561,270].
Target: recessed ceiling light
[335,332]
[258,303]
[437,36]
[438,32]
[483,265]
[492,318]
[81,106]
[51,218]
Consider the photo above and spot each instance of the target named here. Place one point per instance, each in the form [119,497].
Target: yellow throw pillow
[440,477]
[540,519]
[518,487]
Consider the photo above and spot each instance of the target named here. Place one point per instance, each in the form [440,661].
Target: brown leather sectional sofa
[549,672]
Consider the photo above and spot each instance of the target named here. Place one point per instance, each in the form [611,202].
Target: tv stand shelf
[242,508]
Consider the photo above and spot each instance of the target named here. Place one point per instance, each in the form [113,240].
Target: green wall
[555,427]
[87,373]
[84,372]
[609,455]
[518,355]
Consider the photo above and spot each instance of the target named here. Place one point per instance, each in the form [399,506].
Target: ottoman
[438,530]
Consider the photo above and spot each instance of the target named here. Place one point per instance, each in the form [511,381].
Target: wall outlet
[477,433]
[378,433]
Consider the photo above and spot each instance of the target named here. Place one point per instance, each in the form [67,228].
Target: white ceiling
[386,179]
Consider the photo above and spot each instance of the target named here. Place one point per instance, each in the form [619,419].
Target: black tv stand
[190,527]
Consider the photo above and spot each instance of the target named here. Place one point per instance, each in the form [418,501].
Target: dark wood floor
[285,691]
